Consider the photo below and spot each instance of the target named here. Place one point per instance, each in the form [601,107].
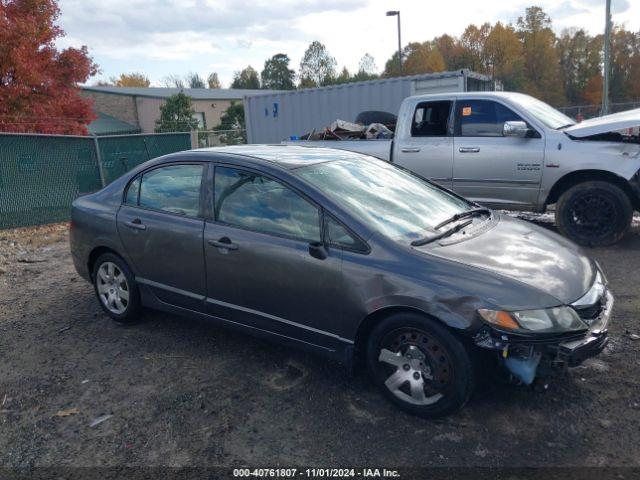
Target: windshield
[392,201]
[545,113]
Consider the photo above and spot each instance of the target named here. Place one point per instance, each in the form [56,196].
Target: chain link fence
[219,138]
[40,175]
[591,111]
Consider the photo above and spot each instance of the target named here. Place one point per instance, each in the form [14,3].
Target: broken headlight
[556,319]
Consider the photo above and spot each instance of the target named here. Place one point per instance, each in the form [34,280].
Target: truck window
[431,119]
[482,118]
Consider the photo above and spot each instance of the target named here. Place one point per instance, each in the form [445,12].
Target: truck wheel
[594,213]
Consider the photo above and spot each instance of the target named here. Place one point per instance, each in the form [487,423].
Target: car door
[426,147]
[488,167]
[161,226]
[262,269]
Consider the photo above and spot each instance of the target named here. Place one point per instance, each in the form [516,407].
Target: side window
[482,118]
[174,188]
[249,200]
[431,119]
[337,235]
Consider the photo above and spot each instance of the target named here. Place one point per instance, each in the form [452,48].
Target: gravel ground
[78,390]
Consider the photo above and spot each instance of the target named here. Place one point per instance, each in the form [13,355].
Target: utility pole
[396,13]
[607,62]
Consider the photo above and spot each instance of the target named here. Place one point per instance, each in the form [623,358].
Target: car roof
[474,95]
[286,156]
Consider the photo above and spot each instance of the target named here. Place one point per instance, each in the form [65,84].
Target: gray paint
[271,286]
[300,111]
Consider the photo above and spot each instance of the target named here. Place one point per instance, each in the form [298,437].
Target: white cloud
[160,37]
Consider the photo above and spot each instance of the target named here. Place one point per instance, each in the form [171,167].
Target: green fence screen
[40,175]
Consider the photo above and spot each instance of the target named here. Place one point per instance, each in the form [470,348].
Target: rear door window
[431,119]
[174,189]
[482,118]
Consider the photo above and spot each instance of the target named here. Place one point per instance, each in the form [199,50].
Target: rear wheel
[593,214]
[115,288]
[419,365]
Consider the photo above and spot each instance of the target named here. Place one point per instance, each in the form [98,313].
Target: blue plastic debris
[525,370]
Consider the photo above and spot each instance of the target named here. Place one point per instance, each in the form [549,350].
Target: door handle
[136,224]
[469,149]
[410,149]
[224,242]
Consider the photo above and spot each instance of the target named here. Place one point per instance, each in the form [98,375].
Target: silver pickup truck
[512,151]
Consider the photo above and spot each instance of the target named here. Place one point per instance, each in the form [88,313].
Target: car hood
[527,253]
[606,124]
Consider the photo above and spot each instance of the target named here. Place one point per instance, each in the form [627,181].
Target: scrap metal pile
[360,130]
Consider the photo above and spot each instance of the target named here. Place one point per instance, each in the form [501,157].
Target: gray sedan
[347,256]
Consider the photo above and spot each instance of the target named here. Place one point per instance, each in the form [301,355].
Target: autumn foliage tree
[139,80]
[39,83]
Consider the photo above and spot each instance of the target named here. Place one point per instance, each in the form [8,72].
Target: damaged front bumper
[528,357]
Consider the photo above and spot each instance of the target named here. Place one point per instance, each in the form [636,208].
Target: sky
[164,37]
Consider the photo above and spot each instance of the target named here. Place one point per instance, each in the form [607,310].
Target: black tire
[594,213]
[373,116]
[447,362]
[132,305]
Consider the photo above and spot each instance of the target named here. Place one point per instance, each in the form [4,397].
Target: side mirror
[516,129]
[318,250]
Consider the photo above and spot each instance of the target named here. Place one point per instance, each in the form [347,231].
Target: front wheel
[594,213]
[115,288]
[419,365]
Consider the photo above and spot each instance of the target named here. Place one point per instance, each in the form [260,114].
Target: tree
[472,43]
[233,125]
[173,81]
[503,56]
[276,74]
[130,80]
[625,65]
[367,69]
[317,67]
[391,67]
[38,82]
[540,57]
[451,51]
[176,115]
[344,77]
[580,63]
[246,79]
[213,81]
[195,81]
[421,58]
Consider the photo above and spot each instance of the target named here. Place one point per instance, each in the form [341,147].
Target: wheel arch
[579,176]
[373,318]
[95,254]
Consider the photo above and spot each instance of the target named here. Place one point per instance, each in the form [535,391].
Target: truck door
[488,167]
[427,146]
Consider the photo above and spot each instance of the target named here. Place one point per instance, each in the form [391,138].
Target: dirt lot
[185,393]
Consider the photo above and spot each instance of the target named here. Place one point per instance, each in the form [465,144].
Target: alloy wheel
[113,288]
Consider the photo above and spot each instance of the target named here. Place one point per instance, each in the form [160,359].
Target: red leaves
[38,83]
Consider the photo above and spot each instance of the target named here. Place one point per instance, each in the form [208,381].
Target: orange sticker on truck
[466,111]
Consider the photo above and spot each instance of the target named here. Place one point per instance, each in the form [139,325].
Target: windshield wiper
[446,233]
[565,126]
[458,216]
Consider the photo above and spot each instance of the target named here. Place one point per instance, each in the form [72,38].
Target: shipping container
[273,117]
